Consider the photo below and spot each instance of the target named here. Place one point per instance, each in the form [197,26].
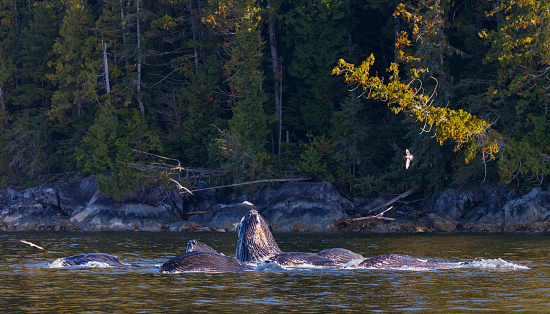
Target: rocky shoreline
[298,206]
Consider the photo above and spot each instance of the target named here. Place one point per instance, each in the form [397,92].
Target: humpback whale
[83,259]
[331,258]
[203,261]
[201,258]
[255,244]
[340,256]
[291,259]
[196,245]
[397,261]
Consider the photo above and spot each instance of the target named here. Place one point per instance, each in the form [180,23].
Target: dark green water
[28,285]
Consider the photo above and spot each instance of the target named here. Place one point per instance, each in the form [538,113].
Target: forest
[332,90]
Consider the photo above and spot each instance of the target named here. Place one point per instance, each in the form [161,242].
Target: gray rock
[42,194]
[303,206]
[528,211]
[226,217]
[109,215]
[78,205]
[69,196]
[442,222]
[25,214]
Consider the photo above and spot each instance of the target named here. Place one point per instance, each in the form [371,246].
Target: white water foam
[497,263]
[58,263]
[490,264]
[354,263]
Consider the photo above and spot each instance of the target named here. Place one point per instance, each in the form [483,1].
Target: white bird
[409,157]
[182,187]
[31,244]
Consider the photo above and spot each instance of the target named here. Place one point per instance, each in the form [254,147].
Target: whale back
[396,261]
[204,262]
[291,259]
[255,243]
[82,259]
[339,255]
[196,245]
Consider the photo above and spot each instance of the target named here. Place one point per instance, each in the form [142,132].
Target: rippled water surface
[28,285]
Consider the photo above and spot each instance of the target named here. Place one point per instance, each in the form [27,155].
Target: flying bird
[409,157]
[31,244]
[181,187]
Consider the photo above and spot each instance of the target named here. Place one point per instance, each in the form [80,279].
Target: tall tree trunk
[194,30]
[138,83]
[106,68]
[3,105]
[277,72]
[201,33]
[2,99]
[123,33]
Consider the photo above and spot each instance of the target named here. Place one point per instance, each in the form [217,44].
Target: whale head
[255,242]
[196,245]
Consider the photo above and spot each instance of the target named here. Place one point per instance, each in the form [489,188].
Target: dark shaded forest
[256,88]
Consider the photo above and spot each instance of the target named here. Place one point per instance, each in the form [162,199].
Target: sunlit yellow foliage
[457,125]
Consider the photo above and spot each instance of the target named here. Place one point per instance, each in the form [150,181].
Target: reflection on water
[29,286]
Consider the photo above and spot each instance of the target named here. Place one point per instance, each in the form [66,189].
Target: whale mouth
[255,242]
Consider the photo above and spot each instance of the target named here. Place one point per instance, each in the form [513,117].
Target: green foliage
[314,161]
[520,50]
[24,151]
[318,39]
[240,160]
[77,64]
[457,125]
[107,149]
[460,99]
[242,68]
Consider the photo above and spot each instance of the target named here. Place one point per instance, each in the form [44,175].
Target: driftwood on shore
[193,174]
[255,182]
[345,222]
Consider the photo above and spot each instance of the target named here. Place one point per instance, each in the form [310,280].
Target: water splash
[59,263]
[497,263]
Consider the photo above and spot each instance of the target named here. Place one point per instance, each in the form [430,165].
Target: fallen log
[345,222]
[255,182]
[379,216]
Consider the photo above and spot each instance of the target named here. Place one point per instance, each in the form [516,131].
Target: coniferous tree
[78,64]
[237,21]
[520,50]
[316,36]
[119,126]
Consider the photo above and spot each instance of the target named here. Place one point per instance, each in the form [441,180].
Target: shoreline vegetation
[163,102]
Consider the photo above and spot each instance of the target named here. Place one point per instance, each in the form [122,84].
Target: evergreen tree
[106,150]
[36,42]
[352,141]
[120,127]
[520,49]
[317,37]
[78,64]
[189,104]
[237,21]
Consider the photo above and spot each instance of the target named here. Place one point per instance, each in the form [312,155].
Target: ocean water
[512,275]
